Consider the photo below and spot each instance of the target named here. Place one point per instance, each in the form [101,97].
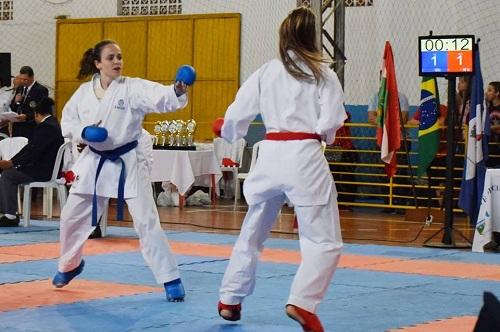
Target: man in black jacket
[27,96]
[35,162]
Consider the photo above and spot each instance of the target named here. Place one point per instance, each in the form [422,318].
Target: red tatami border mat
[453,324]
[41,293]
[10,254]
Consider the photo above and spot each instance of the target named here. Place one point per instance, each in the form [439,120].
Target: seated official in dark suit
[35,162]
[28,94]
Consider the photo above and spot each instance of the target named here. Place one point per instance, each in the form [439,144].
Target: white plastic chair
[49,185]
[10,146]
[242,176]
[234,151]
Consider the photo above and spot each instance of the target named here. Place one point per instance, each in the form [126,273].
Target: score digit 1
[460,61]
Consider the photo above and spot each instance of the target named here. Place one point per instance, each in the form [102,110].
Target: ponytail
[87,66]
[87,63]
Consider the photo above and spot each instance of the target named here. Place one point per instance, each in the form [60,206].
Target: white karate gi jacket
[296,168]
[121,111]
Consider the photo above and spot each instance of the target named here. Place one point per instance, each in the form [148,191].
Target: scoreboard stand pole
[448,240]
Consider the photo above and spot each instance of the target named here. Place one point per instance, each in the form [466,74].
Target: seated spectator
[34,162]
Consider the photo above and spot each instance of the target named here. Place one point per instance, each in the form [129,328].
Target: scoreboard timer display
[446,55]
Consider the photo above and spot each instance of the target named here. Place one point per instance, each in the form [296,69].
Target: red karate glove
[69,176]
[217,126]
[226,162]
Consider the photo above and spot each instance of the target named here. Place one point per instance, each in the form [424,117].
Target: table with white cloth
[488,220]
[185,168]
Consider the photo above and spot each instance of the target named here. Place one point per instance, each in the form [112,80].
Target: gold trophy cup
[172,128]
[164,130]
[179,131]
[157,131]
[190,129]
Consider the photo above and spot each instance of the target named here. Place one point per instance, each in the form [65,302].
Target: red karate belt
[292,136]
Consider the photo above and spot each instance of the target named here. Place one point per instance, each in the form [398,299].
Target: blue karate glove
[94,134]
[186,74]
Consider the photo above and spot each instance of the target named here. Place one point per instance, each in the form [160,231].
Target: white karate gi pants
[320,247]
[76,226]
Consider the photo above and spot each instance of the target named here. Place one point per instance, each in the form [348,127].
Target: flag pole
[408,161]
[429,218]
[450,156]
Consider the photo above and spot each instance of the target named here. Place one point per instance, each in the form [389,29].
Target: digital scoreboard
[446,55]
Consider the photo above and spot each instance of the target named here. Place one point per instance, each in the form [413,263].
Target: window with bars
[6,10]
[348,3]
[358,3]
[149,7]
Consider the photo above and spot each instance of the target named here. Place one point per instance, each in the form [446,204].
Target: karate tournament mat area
[375,288]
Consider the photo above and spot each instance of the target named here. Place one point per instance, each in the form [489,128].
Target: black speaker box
[5,73]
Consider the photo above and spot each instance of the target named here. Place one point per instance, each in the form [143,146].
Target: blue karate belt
[112,155]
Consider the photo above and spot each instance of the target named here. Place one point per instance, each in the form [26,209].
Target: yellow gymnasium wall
[153,48]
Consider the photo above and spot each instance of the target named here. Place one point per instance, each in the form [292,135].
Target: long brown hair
[298,34]
[87,64]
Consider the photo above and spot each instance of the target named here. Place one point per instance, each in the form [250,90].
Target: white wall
[30,37]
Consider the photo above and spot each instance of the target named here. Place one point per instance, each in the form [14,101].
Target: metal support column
[339,38]
[332,47]
[317,9]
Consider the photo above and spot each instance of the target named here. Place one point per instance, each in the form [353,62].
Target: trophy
[172,128]
[164,130]
[157,130]
[190,128]
[179,131]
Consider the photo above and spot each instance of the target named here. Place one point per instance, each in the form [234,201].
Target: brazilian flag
[428,130]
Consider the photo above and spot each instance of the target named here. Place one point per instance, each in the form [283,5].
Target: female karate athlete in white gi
[301,101]
[113,106]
